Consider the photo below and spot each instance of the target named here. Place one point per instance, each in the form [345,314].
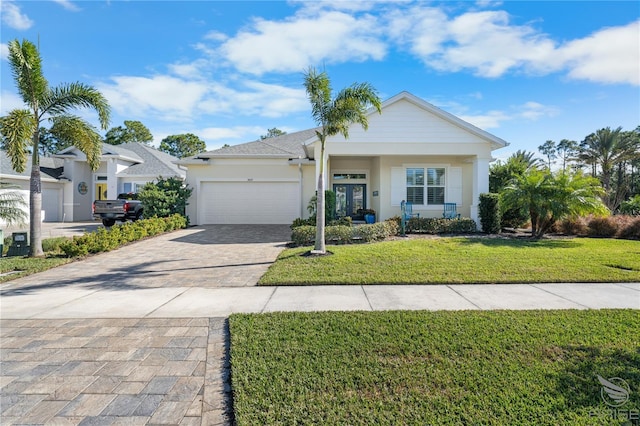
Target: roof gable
[407,118]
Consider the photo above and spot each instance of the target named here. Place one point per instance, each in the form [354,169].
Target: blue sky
[228,71]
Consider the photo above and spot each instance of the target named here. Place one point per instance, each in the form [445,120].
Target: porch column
[112,179]
[480,185]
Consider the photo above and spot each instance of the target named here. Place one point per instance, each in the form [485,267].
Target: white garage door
[51,204]
[249,202]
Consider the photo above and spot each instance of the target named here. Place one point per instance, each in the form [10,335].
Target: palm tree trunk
[320,246]
[35,214]
[35,199]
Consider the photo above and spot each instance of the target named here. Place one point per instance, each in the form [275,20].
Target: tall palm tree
[607,148]
[20,127]
[333,116]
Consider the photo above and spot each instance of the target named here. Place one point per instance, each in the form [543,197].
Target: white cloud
[4,51]
[67,4]
[230,134]
[534,110]
[611,55]
[489,120]
[167,95]
[488,44]
[13,17]
[10,101]
[300,41]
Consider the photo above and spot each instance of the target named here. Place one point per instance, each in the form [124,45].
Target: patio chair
[450,211]
[407,209]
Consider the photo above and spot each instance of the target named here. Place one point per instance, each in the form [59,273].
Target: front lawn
[462,260]
[16,267]
[432,368]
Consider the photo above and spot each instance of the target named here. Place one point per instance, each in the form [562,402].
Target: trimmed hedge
[119,235]
[311,221]
[305,235]
[490,218]
[433,225]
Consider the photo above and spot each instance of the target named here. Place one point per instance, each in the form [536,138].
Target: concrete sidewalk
[197,302]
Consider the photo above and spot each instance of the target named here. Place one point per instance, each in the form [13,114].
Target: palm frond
[26,67]
[65,97]
[83,135]
[17,129]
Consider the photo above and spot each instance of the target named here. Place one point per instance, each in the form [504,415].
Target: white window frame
[425,185]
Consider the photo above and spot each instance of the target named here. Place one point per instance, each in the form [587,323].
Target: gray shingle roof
[49,167]
[153,162]
[286,146]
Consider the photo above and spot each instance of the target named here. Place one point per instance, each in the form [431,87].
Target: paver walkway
[138,335]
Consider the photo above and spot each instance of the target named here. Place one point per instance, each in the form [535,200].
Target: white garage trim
[258,201]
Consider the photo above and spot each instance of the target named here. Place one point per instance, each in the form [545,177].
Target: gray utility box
[19,244]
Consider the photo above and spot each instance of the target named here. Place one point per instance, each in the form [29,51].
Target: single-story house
[413,151]
[69,186]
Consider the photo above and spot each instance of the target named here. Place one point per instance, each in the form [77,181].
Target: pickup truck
[124,208]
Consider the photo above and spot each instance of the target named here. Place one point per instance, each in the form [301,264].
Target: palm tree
[12,205]
[333,116]
[550,197]
[20,127]
[607,148]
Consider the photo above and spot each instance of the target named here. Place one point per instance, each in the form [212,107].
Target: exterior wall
[241,170]
[388,208]
[52,196]
[82,202]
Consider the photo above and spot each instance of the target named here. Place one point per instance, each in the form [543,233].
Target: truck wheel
[138,216]
[108,223]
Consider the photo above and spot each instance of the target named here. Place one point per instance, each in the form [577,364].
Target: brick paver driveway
[130,371]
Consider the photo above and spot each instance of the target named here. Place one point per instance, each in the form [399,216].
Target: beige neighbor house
[69,187]
[413,151]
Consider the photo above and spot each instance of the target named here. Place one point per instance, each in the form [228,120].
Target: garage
[51,204]
[249,202]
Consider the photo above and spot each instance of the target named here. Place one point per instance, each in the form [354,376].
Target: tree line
[598,175]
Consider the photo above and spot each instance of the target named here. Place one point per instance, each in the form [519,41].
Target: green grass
[462,260]
[23,266]
[431,368]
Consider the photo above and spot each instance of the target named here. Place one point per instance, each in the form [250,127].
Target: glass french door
[349,199]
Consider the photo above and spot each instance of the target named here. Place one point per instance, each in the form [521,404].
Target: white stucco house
[69,186]
[413,151]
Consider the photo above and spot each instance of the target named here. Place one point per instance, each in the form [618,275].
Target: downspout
[301,186]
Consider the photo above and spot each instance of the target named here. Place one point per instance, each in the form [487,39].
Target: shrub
[431,225]
[329,206]
[53,244]
[342,234]
[603,226]
[106,240]
[573,226]
[631,206]
[303,222]
[490,213]
[165,197]
[631,229]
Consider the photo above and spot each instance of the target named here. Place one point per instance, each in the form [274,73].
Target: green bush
[631,206]
[106,240]
[164,197]
[329,206]
[490,219]
[305,235]
[433,225]
[311,221]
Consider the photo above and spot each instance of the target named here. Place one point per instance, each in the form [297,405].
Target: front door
[101,191]
[349,199]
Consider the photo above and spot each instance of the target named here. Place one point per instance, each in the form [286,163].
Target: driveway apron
[117,365]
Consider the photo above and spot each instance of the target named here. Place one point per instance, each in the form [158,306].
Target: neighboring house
[413,151]
[52,186]
[70,187]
